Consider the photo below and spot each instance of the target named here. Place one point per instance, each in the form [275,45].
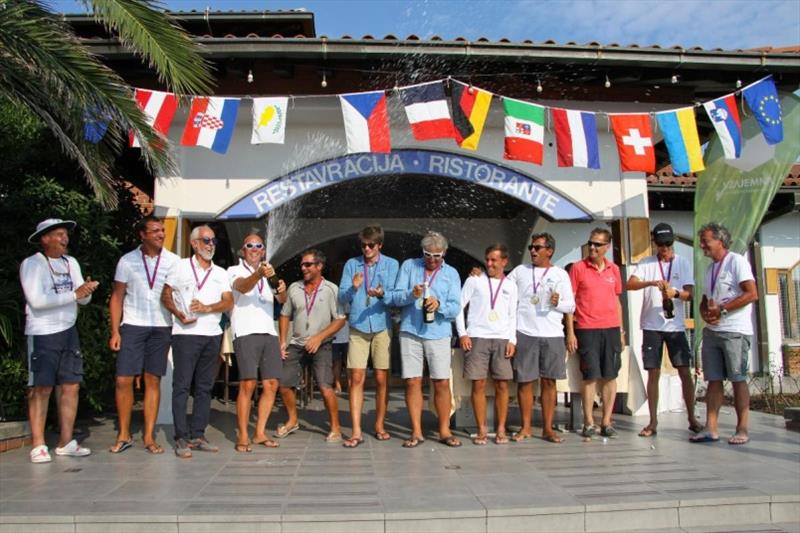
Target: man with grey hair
[196,292]
[428,291]
[728,295]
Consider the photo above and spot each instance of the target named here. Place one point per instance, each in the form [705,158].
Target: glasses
[432,255]
[206,240]
[369,245]
[251,245]
[593,244]
[536,247]
[307,264]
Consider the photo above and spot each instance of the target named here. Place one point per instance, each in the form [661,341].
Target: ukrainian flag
[683,144]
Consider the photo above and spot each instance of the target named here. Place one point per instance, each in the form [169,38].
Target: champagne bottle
[427,316]
[669,305]
[273,281]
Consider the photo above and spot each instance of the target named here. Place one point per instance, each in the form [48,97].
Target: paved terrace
[307,485]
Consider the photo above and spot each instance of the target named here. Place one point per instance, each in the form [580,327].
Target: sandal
[501,438]
[121,446]
[450,441]
[333,438]
[555,439]
[382,435]
[520,436]
[696,428]
[480,440]
[284,430]
[243,448]
[649,432]
[353,442]
[153,448]
[738,439]
[413,442]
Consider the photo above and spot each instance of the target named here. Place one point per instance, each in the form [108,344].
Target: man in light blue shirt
[431,340]
[365,282]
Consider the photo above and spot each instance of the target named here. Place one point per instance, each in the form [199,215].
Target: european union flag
[762,97]
[95,125]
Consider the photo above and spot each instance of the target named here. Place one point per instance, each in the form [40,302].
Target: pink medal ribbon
[537,285]
[151,282]
[493,296]
[430,278]
[715,273]
[366,275]
[669,272]
[310,304]
[260,279]
[196,279]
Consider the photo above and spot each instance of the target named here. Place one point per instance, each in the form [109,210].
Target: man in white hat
[53,287]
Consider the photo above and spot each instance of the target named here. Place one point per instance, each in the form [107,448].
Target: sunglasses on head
[536,247]
[208,240]
[251,245]
[593,244]
[369,245]
[432,255]
[307,264]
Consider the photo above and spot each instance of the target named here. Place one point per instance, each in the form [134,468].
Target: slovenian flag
[762,98]
[211,123]
[524,129]
[427,111]
[366,122]
[159,108]
[470,107]
[725,118]
[680,136]
[576,138]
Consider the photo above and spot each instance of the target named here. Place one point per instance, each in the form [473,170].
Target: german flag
[470,107]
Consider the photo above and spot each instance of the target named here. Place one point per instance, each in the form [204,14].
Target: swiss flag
[634,137]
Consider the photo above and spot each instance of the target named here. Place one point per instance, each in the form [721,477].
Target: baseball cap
[662,234]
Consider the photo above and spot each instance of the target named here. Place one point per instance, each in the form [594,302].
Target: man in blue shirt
[365,281]
[431,340]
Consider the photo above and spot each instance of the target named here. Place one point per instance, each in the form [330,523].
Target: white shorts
[437,352]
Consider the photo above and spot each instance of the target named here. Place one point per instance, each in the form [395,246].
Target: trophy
[183,296]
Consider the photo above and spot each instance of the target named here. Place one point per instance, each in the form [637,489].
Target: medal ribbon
[310,305]
[715,272]
[430,278]
[541,280]
[366,272]
[196,279]
[53,272]
[151,282]
[669,272]
[260,279]
[493,296]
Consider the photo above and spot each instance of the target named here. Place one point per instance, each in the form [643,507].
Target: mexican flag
[524,131]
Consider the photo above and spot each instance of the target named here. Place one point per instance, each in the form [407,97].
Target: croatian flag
[427,111]
[725,118]
[159,108]
[211,123]
[366,122]
[576,138]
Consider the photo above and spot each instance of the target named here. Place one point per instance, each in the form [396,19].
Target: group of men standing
[520,326]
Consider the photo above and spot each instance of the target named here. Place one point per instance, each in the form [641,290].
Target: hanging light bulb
[324,82]
[674,78]
[539,87]
[661,205]
[738,83]
[608,82]
[250,77]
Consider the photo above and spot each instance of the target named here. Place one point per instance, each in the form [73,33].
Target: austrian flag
[211,123]
[634,142]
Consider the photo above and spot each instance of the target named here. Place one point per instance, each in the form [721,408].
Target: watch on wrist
[723,312]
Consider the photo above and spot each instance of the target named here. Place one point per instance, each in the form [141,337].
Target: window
[789,296]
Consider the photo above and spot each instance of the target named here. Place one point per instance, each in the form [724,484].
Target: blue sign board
[397,163]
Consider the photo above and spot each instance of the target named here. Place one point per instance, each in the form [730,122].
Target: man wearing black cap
[666,279]
[53,287]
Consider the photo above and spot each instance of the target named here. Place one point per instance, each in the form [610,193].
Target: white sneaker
[40,454]
[73,449]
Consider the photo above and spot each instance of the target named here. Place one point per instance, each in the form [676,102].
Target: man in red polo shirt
[598,336]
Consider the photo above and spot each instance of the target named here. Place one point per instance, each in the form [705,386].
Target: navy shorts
[677,347]
[55,359]
[600,352]
[143,348]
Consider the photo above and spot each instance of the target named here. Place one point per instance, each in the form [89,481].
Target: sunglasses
[536,247]
[593,244]
[369,245]
[432,255]
[251,245]
[206,240]
[307,264]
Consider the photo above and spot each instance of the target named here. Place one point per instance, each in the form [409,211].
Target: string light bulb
[250,77]
[539,87]
[324,82]
[674,79]
[607,82]
[738,83]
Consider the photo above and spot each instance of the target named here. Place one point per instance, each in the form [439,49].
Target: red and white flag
[634,137]
[159,108]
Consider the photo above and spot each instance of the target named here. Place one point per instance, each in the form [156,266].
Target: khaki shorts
[361,344]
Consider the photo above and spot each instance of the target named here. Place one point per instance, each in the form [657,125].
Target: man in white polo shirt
[196,292]
[255,339]
[53,287]
[488,337]
[141,329]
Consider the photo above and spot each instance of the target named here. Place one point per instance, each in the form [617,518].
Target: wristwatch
[723,312]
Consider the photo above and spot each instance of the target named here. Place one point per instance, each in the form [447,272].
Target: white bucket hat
[48,225]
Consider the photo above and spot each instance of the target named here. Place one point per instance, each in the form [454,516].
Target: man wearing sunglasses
[141,330]
[313,309]
[255,343]
[196,292]
[365,281]
[545,296]
[598,335]
[429,341]
[664,276]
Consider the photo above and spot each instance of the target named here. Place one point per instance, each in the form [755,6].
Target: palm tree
[44,67]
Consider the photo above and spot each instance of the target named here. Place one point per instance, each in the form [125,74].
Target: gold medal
[535,300]
[493,316]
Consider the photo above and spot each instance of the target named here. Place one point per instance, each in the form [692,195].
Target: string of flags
[211,124]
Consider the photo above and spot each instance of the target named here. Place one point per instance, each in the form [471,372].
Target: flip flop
[501,438]
[555,439]
[450,442]
[738,440]
[413,442]
[382,435]
[284,431]
[704,436]
[333,438]
[480,440]
[520,436]
[121,446]
[154,448]
[353,442]
[650,432]
[243,448]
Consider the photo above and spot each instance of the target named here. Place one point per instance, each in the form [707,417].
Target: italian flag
[524,125]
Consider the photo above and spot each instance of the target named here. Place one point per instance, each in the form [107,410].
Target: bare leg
[741,400]
[588,391]
[38,401]
[290,402]
[479,405]
[525,398]
[501,405]
[337,374]
[414,405]
[246,388]
[269,387]
[687,385]
[67,409]
[356,392]
[442,399]
[123,393]
[653,377]
[548,407]
[332,406]
[152,397]
[381,398]
[608,390]
[713,403]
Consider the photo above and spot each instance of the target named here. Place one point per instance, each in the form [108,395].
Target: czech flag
[366,122]
[683,144]
[159,108]
[427,111]
[725,118]
[211,123]
[576,138]
[470,107]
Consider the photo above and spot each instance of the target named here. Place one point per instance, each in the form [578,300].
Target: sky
[727,24]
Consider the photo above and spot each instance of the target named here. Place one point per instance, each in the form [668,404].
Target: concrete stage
[628,483]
